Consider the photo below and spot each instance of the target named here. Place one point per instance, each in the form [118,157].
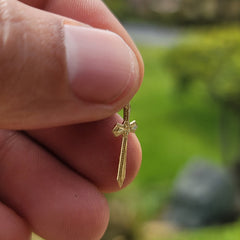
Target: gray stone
[203,195]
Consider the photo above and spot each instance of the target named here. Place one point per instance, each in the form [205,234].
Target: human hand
[56,72]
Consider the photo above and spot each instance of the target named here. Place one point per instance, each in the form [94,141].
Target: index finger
[91,12]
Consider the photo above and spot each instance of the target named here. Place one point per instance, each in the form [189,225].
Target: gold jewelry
[124,129]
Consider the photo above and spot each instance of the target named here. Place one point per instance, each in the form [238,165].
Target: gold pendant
[124,129]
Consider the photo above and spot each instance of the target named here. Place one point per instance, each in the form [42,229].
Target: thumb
[54,71]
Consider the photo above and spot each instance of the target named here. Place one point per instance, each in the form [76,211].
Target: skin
[54,171]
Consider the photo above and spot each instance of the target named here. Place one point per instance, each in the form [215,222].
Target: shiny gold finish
[124,129]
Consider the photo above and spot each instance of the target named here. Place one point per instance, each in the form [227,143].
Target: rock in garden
[203,195]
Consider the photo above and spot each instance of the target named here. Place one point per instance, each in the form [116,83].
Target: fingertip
[93,150]
[115,68]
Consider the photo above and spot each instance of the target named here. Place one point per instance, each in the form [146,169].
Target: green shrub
[120,8]
[211,57]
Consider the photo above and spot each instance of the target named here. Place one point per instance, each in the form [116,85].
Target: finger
[92,12]
[56,69]
[92,150]
[58,203]
[12,226]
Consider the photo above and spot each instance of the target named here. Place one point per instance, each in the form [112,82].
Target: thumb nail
[101,66]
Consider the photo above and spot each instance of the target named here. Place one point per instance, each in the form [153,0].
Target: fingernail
[101,66]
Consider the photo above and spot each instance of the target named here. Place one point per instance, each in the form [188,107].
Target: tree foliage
[211,57]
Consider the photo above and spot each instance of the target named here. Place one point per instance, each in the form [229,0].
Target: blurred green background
[188,106]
